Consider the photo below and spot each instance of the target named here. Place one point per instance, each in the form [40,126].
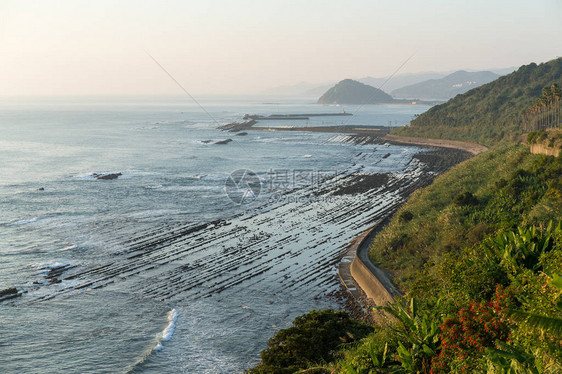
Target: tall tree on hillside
[555,89]
[546,102]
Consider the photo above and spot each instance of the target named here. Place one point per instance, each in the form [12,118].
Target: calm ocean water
[159,271]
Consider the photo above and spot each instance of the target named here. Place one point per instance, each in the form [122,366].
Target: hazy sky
[240,46]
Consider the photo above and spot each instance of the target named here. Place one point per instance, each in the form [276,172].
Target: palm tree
[546,99]
[555,89]
[543,111]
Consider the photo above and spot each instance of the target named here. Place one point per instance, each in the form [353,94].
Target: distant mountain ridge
[307,89]
[349,91]
[447,87]
[400,80]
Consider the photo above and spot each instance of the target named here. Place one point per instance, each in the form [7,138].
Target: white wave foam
[43,268]
[183,188]
[197,176]
[209,177]
[199,125]
[49,265]
[68,247]
[147,127]
[26,221]
[152,213]
[85,176]
[168,332]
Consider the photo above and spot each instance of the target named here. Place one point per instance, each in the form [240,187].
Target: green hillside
[478,255]
[489,113]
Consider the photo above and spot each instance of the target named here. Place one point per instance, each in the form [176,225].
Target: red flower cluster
[464,338]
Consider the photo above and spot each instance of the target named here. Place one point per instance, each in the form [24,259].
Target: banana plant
[511,360]
[521,248]
[377,361]
[418,336]
[552,325]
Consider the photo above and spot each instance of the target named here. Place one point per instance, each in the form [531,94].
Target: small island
[351,92]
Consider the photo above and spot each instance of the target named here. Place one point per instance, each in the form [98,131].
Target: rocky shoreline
[447,153]
[359,293]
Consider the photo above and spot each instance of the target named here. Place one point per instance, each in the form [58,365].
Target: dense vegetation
[489,113]
[496,190]
[545,112]
[488,296]
[313,339]
[479,255]
[551,138]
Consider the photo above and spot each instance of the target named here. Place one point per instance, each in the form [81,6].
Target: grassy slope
[489,113]
[403,247]
[439,225]
[434,246]
[439,259]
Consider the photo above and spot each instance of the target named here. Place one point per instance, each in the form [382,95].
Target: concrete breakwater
[293,116]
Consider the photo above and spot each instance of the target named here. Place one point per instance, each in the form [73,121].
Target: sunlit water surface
[143,291]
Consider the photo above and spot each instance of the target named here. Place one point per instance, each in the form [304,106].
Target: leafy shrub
[406,216]
[465,198]
[532,137]
[313,338]
[478,232]
[417,335]
[500,184]
[465,337]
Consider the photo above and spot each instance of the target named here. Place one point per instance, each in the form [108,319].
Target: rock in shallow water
[107,176]
[226,141]
[9,293]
